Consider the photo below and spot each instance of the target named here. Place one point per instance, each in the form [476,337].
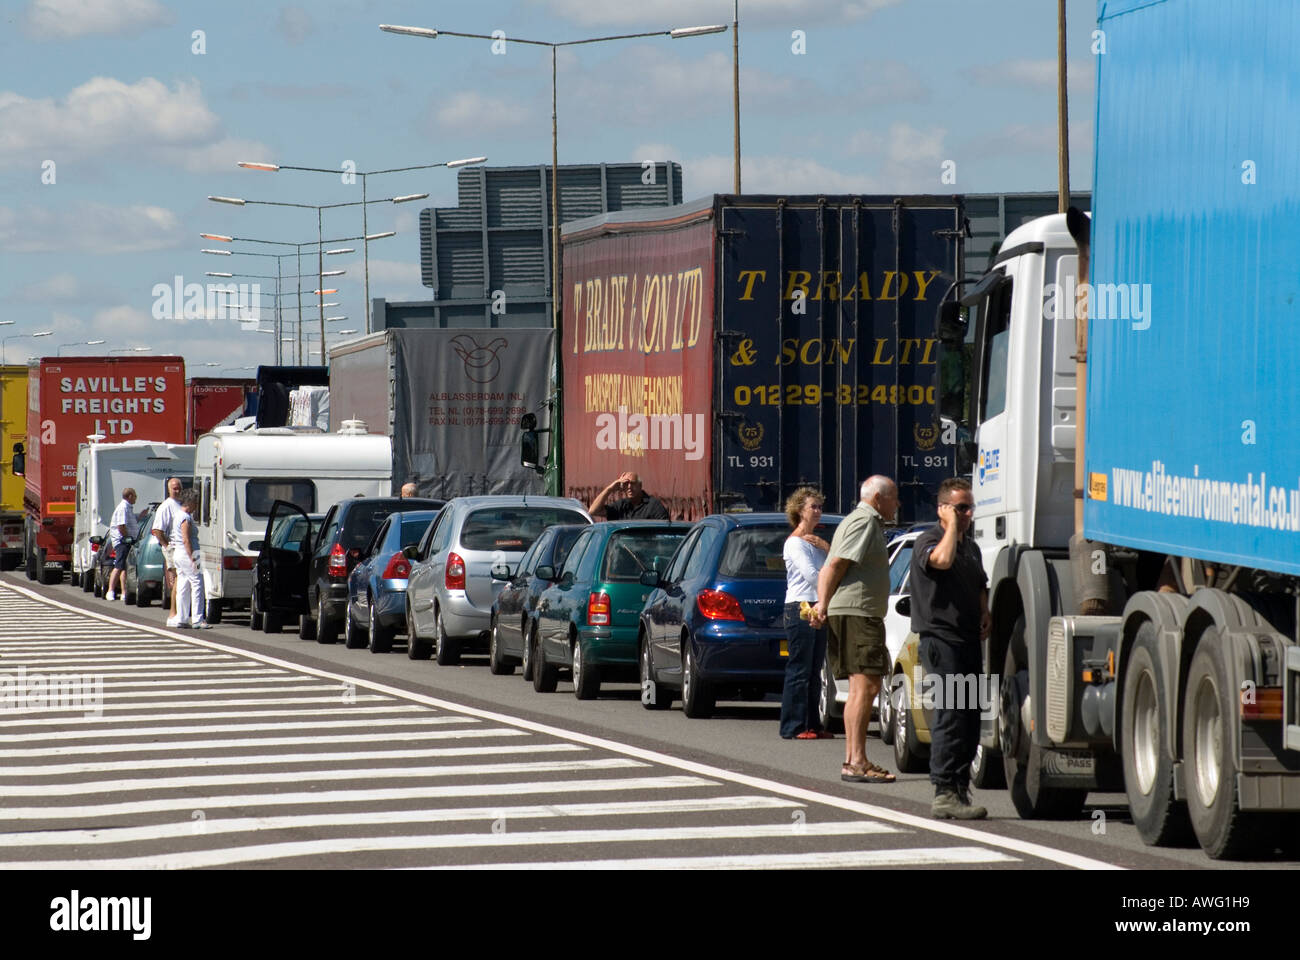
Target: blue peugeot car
[376,608]
[713,626]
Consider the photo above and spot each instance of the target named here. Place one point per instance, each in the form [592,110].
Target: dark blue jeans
[803,674]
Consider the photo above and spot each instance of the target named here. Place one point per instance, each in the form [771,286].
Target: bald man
[635,504]
[852,592]
[408,490]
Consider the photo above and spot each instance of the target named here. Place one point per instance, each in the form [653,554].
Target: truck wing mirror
[904,606]
[952,325]
[19,463]
[530,450]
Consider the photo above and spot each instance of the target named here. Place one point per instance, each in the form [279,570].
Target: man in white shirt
[167,530]
[121,526]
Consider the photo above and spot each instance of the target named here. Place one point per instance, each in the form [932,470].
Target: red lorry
[214,402]
[68,400]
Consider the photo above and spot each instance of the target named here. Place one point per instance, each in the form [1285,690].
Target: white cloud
[62,19]
[219,156]
[295,24]
[96,228]
[1036,74]
[691,13]
[909,159]
[104,113]
[471,111]
[58,287]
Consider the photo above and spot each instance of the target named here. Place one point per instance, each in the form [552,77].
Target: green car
[587,620]
[144,567]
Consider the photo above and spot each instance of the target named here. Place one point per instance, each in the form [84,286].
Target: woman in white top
[804,553]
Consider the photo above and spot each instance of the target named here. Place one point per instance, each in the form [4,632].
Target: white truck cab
[103,471]
[239,475]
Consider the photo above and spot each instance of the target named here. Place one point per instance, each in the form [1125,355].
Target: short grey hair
[873,486]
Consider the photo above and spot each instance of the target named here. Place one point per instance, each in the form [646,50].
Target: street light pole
[735,94]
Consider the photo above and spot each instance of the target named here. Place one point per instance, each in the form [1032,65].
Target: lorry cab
[1021,402]
[103,471]
[241,475]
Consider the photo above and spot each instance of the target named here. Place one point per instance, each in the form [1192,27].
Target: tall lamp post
[20,336]
[80,343]
[319,208]
[365,228]
[429,33]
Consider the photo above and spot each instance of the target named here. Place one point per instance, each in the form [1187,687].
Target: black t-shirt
[649,509]
[946,603]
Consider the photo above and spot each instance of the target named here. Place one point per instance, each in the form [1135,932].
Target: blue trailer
[1137,476]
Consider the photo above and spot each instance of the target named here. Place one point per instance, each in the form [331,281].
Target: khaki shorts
[857,645]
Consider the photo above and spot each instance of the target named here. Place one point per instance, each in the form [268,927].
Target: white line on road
[120,717]
[119,712]
[915,857]
[135,733]
[211,825]
[96,811]
[186,746]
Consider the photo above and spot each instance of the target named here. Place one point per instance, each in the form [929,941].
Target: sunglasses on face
[963,507]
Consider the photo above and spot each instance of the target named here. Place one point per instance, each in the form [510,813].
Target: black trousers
[953,674]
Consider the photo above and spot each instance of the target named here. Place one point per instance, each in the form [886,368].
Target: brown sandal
[866,772]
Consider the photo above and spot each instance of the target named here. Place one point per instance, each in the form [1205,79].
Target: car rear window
[563,543]
[754,552]
[361,522]
[512,529]
[630,554]
[288,533]
[413,530]
[260,495]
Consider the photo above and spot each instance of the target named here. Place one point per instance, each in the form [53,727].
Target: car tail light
[717,605]
[238,563]
[598,609]
[399,568]
[338,564]
[455,576]
[94,548]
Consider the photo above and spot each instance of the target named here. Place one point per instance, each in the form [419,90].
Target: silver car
[450,591]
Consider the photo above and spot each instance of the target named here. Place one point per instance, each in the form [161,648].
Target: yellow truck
[13,430]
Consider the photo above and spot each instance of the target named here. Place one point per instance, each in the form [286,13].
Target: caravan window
[260,495]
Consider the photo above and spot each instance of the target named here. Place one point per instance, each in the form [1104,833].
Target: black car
[315,584]
[515,606]
[287,535]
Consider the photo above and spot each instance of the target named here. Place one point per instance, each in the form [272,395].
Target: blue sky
[113,102]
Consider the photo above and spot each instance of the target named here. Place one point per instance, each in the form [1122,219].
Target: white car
[835,693]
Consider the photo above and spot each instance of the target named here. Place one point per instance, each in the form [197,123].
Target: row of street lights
[58,350]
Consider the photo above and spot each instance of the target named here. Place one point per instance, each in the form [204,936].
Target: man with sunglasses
[950,611]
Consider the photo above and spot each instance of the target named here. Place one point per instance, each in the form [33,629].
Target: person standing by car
[166,529]
[852,592]
[190,601]
[121,526]
[804,554]
[950,612]
[635,505]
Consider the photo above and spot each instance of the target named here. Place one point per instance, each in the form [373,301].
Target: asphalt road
[767,802]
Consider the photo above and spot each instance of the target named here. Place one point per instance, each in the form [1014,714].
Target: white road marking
[214,825]
[187,746]
[133,808]
[136,733]
[913,857]
[121,717]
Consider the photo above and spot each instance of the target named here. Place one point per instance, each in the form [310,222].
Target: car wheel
[829,714]
[88,582]
[215,608]
[74,579]
[255,618]
[272,622]
[498,663]
[885,711]
[354,638]
[416,647]
[326,630]
[910,754]
[381,637]
[698,699]
[586,676]
[445,650]
[130,590]
[545,675]
[526,633]
[654,696]
[306,627]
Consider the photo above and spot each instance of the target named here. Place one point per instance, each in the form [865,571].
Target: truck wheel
[1209,761]
[212,612]
[1148,769]
[698,699]
[1022,760]
[49,575]
[446,650]
[910,754]
[416,648]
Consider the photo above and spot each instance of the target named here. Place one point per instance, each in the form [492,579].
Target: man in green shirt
[852,592]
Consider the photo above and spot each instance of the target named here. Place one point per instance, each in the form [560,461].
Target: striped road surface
[124,746]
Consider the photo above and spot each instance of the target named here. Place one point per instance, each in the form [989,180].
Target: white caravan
[239,475]
[103,471]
